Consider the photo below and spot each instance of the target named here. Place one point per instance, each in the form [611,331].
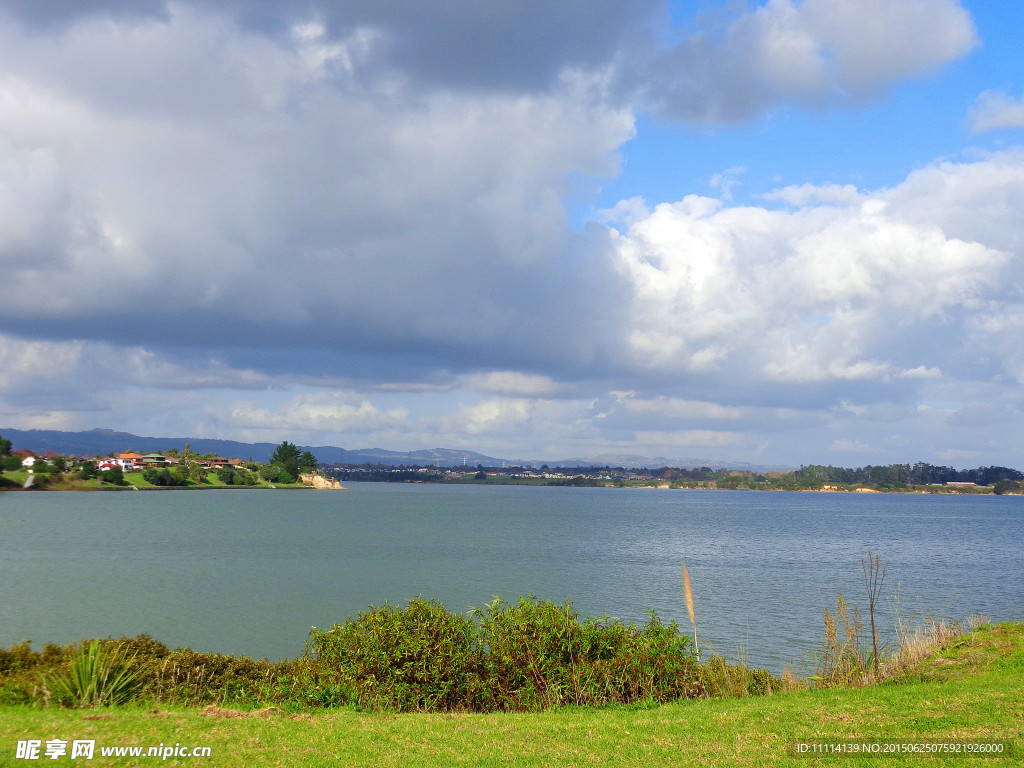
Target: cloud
[845,287]
[995,110]
[512,383]
[677,408]
[801,195]
[349,219]
[660,440]
[330,412]
[243,189]
[816,53]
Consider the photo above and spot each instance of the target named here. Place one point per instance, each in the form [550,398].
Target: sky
[779,232]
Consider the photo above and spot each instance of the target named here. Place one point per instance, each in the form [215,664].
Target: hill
[102,441]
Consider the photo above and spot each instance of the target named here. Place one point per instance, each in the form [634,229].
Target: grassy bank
[971,690]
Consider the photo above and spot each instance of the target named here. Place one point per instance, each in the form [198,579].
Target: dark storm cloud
[514,45]
[58,14]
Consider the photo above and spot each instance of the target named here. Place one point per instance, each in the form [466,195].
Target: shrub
[114,476]
[418,658]
[97,676]
[540,655]
[163,477]
[525,656]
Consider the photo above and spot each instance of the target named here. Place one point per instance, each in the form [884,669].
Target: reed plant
[839,662]
[688,594]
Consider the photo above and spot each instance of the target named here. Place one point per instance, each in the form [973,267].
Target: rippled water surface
[249,571]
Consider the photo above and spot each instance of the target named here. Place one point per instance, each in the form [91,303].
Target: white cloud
[801,195]
[822,292]
[995,110]
[332,412]
[512,383]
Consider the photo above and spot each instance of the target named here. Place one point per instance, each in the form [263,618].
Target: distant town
[292,466]
[26,469]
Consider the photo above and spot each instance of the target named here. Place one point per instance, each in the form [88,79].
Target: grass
[972,688]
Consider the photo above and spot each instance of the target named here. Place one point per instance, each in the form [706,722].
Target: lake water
[249,571]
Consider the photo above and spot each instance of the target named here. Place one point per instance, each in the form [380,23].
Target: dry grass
[918,643]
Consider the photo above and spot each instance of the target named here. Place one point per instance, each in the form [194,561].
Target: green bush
[97,676]
[419,658]
[540,655]
[522,656]
[525,656]
[163,477]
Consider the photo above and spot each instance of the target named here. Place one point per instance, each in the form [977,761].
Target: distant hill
[102,441]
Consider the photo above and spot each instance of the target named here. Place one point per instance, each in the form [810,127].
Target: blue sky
[775,232]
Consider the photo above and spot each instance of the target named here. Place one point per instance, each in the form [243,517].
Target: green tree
[1006,486]
[5,446]
[226,475]
[270,472]
[114,476]
[288,457]
[308,462]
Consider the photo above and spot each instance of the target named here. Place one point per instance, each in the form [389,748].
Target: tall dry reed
[688,592]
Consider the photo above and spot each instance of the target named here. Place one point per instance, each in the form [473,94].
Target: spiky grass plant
[97,677]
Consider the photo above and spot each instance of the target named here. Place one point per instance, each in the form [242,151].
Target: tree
[288,457]
[114,476]
[1006,486]
[308,462]
[5,446]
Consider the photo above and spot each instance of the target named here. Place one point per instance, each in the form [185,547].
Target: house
[219,462]
[153,460]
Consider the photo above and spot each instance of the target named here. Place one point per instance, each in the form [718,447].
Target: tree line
[920,473]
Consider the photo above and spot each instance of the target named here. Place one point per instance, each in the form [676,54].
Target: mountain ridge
[100,441]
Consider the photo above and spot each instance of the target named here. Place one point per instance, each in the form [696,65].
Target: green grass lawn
[973,690]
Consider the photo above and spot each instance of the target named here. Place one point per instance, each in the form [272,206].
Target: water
[249,571]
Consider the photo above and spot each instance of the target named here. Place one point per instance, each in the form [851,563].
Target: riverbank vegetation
[966,689]
[507,657]
[892,478]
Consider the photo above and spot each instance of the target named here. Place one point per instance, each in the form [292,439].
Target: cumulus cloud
[845,287]
[207,208]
